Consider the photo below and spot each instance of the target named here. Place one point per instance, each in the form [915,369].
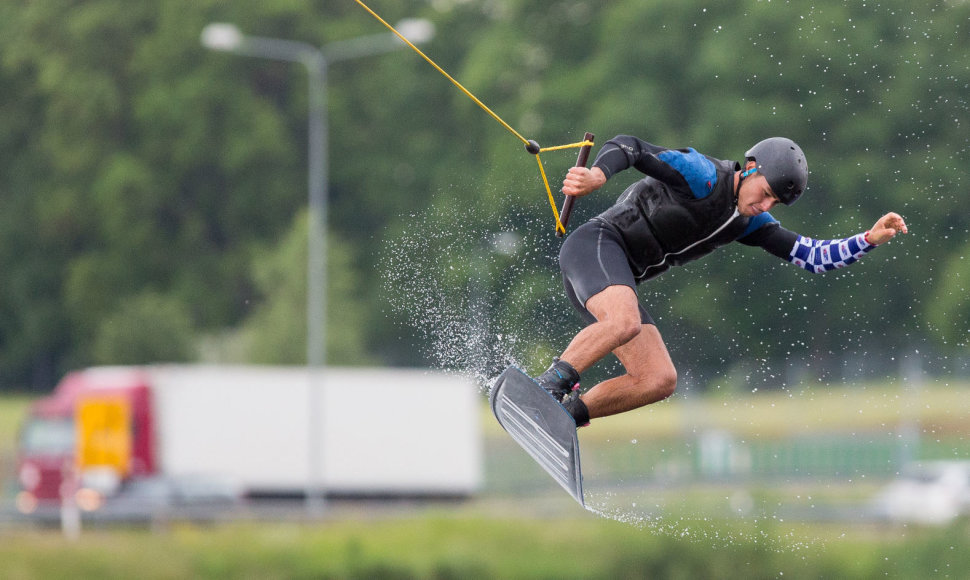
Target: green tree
[146,328]
[138,160]
[276,330]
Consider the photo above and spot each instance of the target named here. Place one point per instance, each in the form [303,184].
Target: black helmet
[783,164]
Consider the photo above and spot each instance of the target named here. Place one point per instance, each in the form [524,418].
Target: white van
[927,492]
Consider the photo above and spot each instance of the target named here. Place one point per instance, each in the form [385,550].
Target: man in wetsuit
[687,206]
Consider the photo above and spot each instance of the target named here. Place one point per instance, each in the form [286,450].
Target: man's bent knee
[625,329]
[656,386]
[665,384]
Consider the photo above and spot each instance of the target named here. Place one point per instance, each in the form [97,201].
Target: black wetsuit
[683,210]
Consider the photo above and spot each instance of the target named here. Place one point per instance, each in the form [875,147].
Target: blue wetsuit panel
[757,222]
[698,171]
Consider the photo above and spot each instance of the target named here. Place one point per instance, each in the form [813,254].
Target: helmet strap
[745,173]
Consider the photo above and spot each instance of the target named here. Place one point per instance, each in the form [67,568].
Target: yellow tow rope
[531,146]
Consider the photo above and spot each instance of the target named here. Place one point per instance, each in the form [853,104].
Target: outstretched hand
[581,181]
[886,228]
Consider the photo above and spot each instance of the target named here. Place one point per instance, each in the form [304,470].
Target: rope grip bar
[567,207]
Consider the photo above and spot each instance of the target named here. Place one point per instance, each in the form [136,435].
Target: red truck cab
[94,431]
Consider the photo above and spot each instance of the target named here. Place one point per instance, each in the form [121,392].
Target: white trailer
[351,431]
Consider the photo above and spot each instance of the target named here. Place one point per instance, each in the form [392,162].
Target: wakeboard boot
[561,381]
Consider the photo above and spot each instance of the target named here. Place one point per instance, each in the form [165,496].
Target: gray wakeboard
[541,426]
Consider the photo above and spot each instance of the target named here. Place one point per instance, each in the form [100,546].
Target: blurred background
[155,193]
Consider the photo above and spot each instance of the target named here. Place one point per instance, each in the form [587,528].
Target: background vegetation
[152,192]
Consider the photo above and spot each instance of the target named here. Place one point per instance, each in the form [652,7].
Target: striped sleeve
[819,256]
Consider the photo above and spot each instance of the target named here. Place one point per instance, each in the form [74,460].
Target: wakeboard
[541,426]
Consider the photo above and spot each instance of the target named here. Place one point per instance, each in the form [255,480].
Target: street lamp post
[228,38]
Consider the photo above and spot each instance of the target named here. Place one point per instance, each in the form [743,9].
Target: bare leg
[650,374]
[617,321]
[650,377]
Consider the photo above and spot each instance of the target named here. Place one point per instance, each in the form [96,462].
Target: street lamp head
[417,30]
[222,36]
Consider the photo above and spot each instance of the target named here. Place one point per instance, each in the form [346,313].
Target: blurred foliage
[276,331]
[145,327]
[134,162]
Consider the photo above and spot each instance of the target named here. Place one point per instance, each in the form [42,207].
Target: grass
[13,409]
[843,444]
[877,407]
[866,418]
[468,546]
